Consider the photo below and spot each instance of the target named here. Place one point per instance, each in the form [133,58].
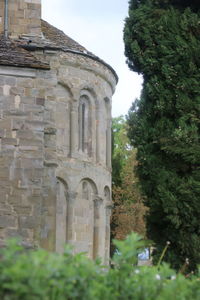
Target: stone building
[55,135]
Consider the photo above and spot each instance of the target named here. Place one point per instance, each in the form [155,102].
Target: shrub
[31,275]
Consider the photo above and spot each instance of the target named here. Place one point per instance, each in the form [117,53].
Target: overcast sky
[98,26]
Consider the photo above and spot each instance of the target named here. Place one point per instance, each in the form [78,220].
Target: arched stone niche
[87,122]
[89,91]
[61,214]
[84,218]
[107,194]
[63,96]
[87,189]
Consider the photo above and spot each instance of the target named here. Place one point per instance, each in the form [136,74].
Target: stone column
[97,228]
[70,217]
[61,217]
[108,212]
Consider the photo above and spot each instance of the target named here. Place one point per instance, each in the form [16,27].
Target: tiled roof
[13,55]
[19,53]
[60,39]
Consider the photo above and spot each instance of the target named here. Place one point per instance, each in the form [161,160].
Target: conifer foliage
[162,42]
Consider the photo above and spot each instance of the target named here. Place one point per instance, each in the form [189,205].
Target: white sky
[98,26]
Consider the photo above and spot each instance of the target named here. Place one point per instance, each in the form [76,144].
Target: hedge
[38,274]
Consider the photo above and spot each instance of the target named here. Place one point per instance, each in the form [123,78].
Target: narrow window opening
[85,130]
[83,127]
[108,132]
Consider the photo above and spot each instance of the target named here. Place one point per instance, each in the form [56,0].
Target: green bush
[31,275]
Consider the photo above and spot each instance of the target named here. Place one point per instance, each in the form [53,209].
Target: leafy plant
[35,275]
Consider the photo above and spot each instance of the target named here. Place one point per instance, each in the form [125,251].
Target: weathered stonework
[24,17]
[55,146]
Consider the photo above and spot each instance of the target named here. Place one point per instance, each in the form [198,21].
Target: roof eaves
[48,47]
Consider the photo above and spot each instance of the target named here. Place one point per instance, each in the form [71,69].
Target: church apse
[55,136]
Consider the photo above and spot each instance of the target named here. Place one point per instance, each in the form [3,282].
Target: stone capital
[97,200]
[74,106]
[71,196]
[109,205]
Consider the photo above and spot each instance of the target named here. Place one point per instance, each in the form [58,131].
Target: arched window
[107,194]
[85,125]
[108,131]
[85,191]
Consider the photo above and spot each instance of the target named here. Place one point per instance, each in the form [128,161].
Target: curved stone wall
[55,133]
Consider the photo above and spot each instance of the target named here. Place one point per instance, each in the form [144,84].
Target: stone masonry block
[10,81]
[11,233]
[25,83]
[35,125]
[29,222]
[17,123]
[28,100]
[40,101]
[31,142]
[31,13]
[8,221]
[27,163]
[25,134]
[10,141]
[16,91]
[22,210]
[4,173]
[6,123]
[33,108]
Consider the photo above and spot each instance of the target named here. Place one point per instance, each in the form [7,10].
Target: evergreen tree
[162,42]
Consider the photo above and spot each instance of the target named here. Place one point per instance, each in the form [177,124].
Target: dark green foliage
[181,4]
[39,275]
[162,42]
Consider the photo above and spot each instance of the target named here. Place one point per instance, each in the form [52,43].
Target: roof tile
[11,54]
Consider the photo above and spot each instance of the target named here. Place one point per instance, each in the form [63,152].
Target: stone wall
[24,17]
[53,191]
[83,181]
[22,103]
